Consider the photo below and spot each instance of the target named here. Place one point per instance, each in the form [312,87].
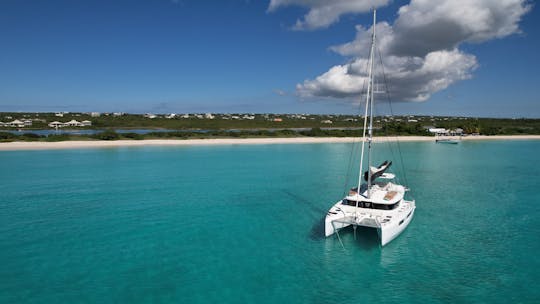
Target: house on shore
[15,124]
[71,123]
[443,131]
[56,124]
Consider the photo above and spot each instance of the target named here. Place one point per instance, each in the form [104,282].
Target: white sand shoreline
[14,146]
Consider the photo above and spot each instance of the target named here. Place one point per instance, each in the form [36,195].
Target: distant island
[122,126]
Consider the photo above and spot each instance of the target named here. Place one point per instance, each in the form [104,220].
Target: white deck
[390,223]
[380,193]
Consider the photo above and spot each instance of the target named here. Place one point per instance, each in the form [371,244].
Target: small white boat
[377,201]
[447,141]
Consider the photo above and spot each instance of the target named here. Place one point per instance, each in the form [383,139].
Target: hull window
[370,205]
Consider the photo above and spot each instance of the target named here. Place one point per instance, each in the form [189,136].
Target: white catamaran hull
[333,223]
[387,231]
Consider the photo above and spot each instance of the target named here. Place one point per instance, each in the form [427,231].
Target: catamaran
[447,139]
[377,201]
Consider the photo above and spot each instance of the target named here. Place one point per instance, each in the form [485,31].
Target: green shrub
[107,135]
[30,136]
[132,135]
[490,130]
[7,136]
[57,137]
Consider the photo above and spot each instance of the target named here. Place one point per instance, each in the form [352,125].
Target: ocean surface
[243,224]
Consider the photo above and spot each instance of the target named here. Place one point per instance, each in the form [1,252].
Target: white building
[73,123]
[56,124]
[15,124]
[438,130]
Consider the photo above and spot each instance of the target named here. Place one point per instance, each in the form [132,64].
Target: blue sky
[165,56]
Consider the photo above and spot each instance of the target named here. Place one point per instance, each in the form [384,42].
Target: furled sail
[376,172]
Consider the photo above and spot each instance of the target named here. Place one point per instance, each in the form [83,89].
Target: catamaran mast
[369,105]
[372,59]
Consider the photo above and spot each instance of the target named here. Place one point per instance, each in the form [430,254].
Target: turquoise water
[242,224]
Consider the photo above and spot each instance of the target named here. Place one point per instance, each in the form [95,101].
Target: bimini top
[379,171]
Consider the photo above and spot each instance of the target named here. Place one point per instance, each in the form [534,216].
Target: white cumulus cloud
[412,79]
[426,25]
[323,13]
[420,49]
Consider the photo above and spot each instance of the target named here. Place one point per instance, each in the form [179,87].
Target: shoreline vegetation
[42,145]
[45,129]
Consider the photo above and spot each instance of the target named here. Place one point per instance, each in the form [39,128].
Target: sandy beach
[13,146]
